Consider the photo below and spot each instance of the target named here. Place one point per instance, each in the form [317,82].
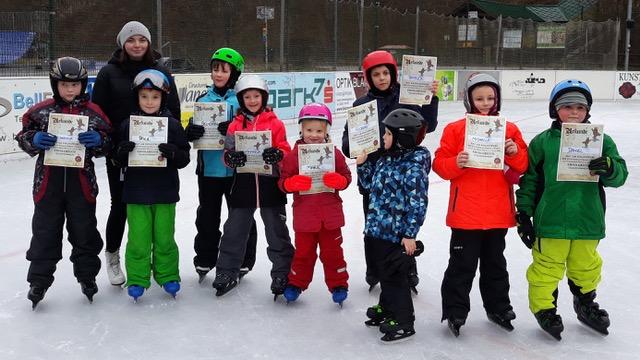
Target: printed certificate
[418,73]
[484,139]
[315,160]
[209,115]
[67,151]
[147,132]
[579,144]
[253,144]
[363,129]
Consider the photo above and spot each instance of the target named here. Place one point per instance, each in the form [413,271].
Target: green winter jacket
[565,209]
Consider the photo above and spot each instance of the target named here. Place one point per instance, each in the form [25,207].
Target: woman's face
[136,46]
[381,77]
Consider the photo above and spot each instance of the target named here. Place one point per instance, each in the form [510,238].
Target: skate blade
[555,336]
[371,287]
[414,290]
[397,340]
[503,325]
[599,331]
[454,331]
[201,278]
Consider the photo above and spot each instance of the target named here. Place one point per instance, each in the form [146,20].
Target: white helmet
[251,81]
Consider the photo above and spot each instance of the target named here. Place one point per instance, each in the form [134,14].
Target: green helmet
[230,56]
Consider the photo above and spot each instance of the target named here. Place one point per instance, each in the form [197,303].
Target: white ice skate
[114,271]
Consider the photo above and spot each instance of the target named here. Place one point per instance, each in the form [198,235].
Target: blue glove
[90,139]
[43,140]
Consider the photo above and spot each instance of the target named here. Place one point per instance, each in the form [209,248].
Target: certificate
[209,115]
[484,138]
[67,151]
[315,160]
[579,144]
[253,144]
[418,73]
[147,132]
[363,129]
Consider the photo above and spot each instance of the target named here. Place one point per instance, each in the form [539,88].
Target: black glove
[272,155]
[525,229]
[125,147]
[223,126]
[168,150]
[194,132]
[235,159]
[602,166]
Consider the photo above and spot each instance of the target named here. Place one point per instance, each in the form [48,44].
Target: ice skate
[414,280]
[172,288]
[277,287]
[224,283]
[590,314]
[395,332]
[114,271]
[135,291]
[454,325]
[36,294]
[202,273]
[377,315]
[89,288]
[291,293]
[372,281]
[339,295]
[550,322]
[244,271]
[503,319]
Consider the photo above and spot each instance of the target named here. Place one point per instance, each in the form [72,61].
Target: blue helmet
[565,86]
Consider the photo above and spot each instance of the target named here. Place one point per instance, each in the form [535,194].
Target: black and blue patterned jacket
[398,184]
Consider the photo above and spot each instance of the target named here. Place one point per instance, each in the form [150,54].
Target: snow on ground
[248,324]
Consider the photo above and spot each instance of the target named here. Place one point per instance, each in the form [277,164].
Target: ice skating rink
[248,324]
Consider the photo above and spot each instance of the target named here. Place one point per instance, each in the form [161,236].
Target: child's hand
[44,140]
[334,180]
[168,151]
[235,159]
[462,159]
[194,132]
[510,147]
[434,87]
[409,245]
[223,127]
[90,139]
[272,155]
[361,158]
[297,183]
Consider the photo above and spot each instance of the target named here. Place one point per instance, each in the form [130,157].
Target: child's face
[220,74]
[252,100]
[69,90]
[314,131]
[136,46]
[149,100]
[381,77]
[484,98]
[387,138]
[572,113]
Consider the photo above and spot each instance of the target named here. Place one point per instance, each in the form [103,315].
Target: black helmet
[405,125]
[68,69]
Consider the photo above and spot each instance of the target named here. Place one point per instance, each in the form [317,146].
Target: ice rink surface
[248,324]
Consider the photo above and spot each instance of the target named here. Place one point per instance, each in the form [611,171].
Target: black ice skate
[377,315]
[503,319]
[223,283]
[36,294]
[590,314]
[277,286]
[414,280]
[89,288]
[395,332]
[550,322]
[454,325]
[202,273]
[372,281]
[244,271]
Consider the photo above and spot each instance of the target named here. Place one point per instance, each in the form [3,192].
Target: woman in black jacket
[112,91]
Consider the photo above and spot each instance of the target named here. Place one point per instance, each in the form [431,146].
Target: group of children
[568,218]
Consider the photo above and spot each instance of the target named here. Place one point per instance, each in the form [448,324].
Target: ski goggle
[151,79]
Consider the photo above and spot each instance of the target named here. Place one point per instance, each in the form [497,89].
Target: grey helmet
[478,79]
[251,81]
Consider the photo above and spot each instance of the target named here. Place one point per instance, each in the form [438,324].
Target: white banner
[527,84]
[601,83]
[627,85]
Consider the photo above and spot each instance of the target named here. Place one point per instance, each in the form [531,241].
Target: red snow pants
[331,256]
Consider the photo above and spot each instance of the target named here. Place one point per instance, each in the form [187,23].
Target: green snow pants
[151,244]
[550,259]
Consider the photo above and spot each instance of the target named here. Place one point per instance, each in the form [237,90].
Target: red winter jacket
[479,199]
[313,211]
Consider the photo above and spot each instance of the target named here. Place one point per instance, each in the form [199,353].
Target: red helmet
[315,111]
[378,57]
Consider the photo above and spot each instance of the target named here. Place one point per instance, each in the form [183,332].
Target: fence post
[361,25]
[282,11]
[335,35]
[415,44]
[629,24]
[159,25]
[52,16]
[499,36]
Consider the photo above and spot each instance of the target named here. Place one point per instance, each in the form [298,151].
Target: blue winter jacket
[210,162]
[398,184]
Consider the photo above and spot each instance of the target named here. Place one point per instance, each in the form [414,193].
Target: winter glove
[124,148]
[334,180]
[43,140]
[512,176]
[601,166]
[194,132]
[90,139]
[174,154]
[223,126]
[235,159]
[525,229]
[297,183]
[272,155]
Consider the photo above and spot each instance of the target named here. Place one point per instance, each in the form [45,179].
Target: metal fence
[301,35]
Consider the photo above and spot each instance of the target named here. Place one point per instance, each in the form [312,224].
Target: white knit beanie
[130,29]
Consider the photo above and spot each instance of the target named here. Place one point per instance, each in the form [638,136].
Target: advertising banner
[446,90]
[527,85]
[627,84]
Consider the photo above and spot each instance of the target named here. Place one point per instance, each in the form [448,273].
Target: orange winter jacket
[479,199]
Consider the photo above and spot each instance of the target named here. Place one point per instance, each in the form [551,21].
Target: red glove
[335,180]
[512,176]
[297,183]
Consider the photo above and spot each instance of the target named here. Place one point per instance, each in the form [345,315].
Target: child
[397,184]
[64,191]
[214,178]
[568,217]
[479,214]
[252,191]
[317,218]
[381,73]
[151,194]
